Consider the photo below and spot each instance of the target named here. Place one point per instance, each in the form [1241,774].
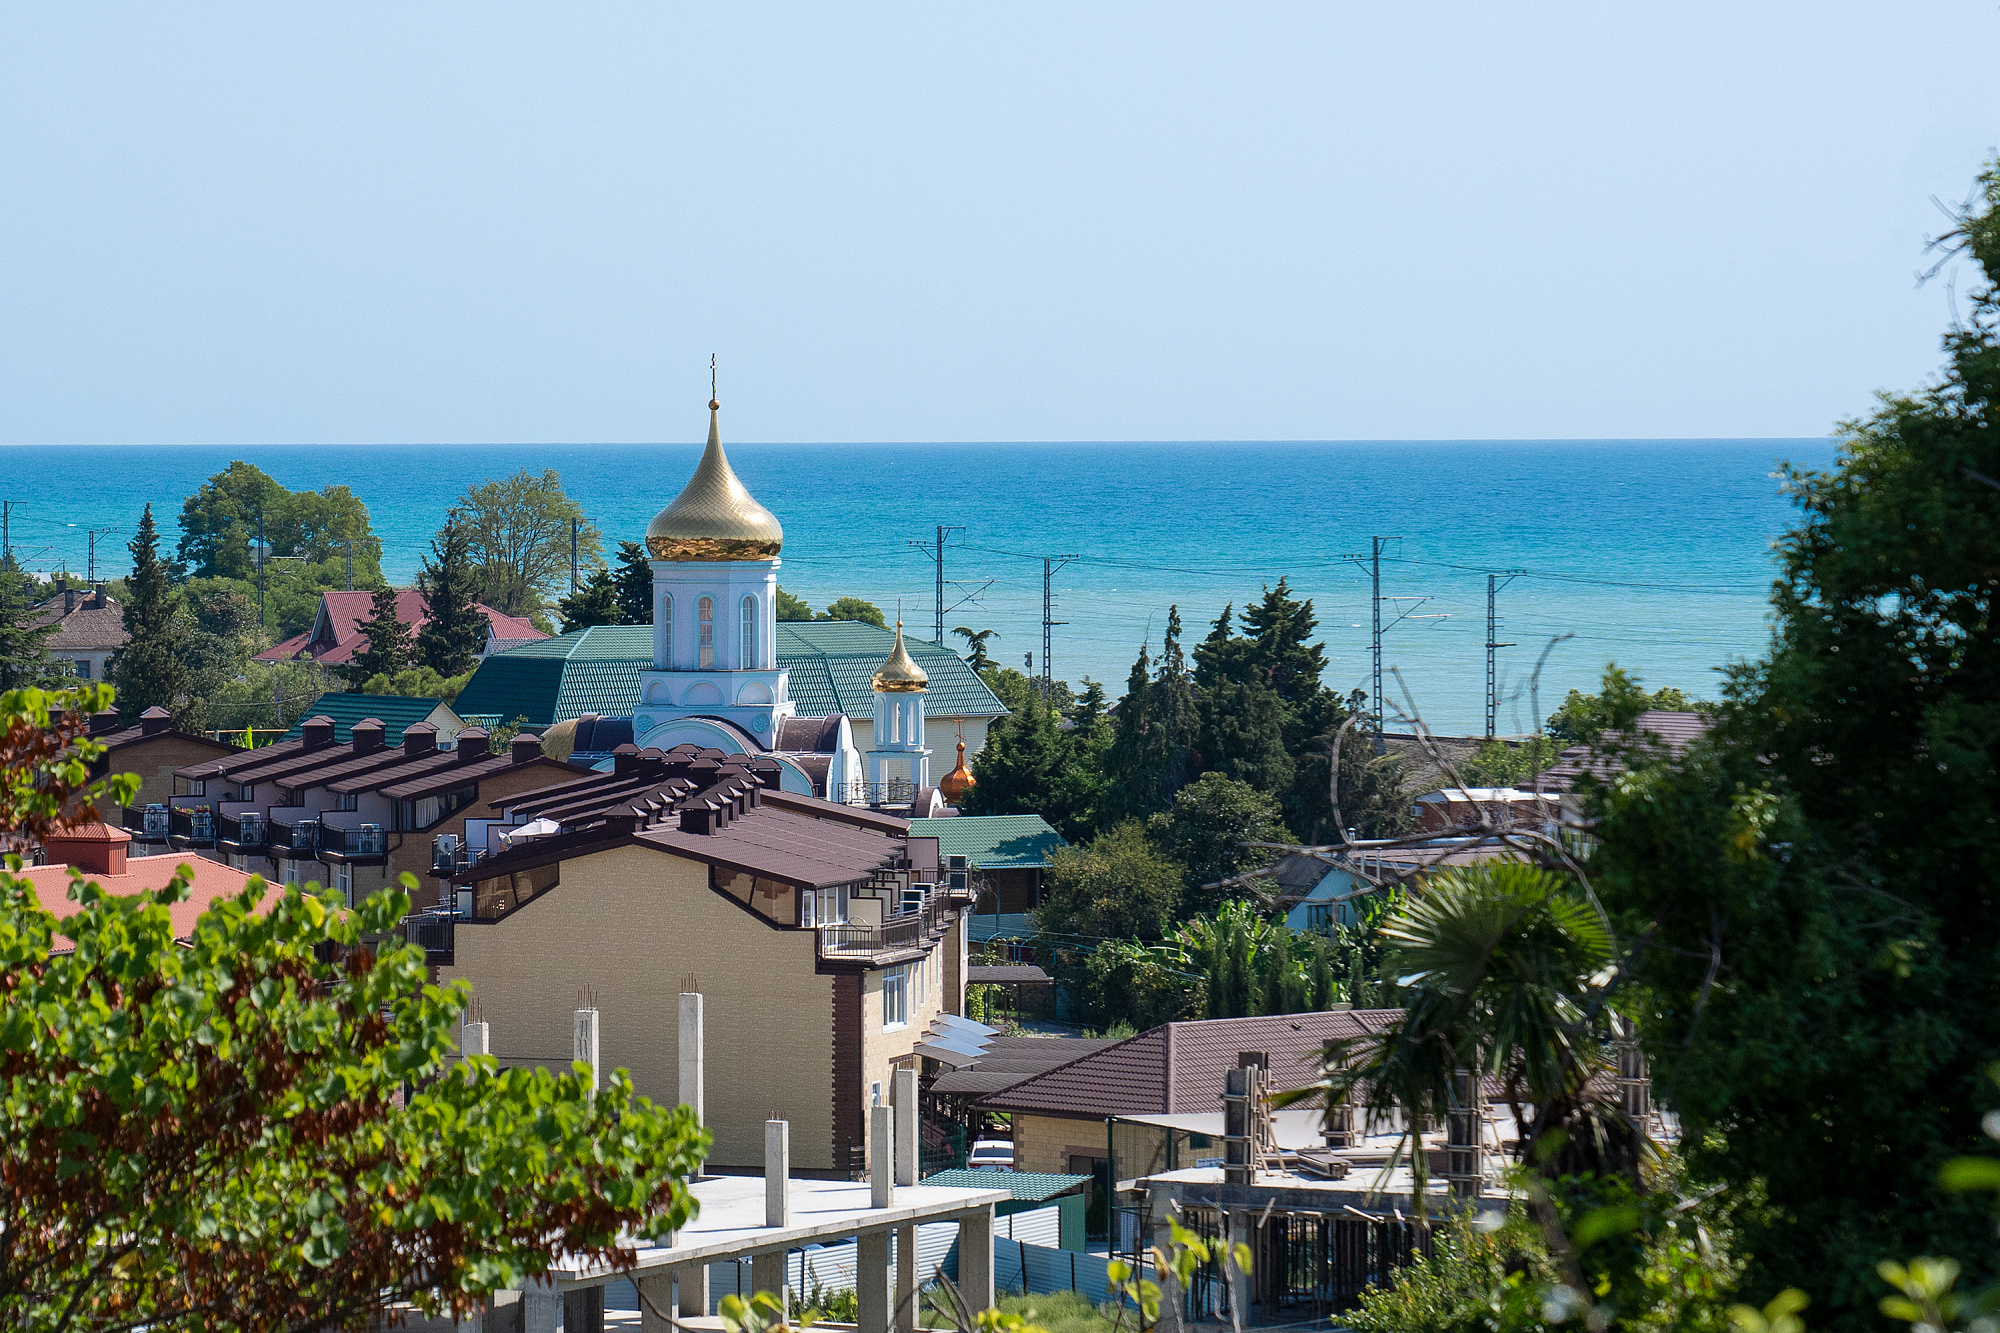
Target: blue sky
[472,222]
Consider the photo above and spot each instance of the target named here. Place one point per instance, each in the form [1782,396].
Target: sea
[1655,554]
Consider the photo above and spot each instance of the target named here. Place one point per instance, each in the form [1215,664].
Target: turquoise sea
[1655,553]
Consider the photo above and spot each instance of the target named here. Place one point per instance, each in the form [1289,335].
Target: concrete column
[585,1045]
[691,1056]
[659,1289]
[871,1281]
[881,1156]
[692,1282]
[903,1096]
[1170,1287]
[906,1279]
[975,1258]
[1236,1230]
[777,1173]
[583,1310]
[475,1039]
[541,1308]
[768,1272]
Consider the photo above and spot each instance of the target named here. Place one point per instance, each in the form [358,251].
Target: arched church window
[705,616]
[666,617]
[749,659]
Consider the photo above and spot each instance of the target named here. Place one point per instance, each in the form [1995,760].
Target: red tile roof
[336,633]
[1178,1067]
[212,880]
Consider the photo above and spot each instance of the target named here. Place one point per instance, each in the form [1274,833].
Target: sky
[459,222]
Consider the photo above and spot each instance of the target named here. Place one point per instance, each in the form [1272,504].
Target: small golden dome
[714,518]
[899,675]
[954,785]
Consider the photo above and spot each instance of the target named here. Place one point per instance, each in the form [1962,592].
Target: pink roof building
[335,636]
[100,852]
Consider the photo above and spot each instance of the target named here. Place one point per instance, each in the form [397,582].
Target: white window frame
[667,629]
[749,638]
[290,874]
[895,997]
[343,881]
[704,622]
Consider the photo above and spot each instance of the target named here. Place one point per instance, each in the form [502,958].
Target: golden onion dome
[954,785]
[899,675]
[714,518]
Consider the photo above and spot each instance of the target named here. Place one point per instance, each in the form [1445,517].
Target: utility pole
[572,556]
[935,550]
[350,564]
[1371,564]
[7,531]
[1050,564]
[260,569]
[91,568]
[1494,583]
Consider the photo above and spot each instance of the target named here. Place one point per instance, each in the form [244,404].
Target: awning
[954,1041]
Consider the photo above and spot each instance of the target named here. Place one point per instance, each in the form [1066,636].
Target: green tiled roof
[396,711]
[992,842]
[596,670]
[1033,1186]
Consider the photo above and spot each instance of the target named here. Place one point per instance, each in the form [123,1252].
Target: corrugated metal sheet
[993,842]
[396,712]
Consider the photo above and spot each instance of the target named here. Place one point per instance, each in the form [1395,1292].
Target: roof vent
[524,748]
[625,759]
[367,735]
[420,738]
[154,721]
[318,732]
[472,744]
[698,818]
[95,849]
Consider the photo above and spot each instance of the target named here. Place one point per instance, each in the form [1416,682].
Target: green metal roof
[396,711]
[992,842]
[1033,1186]
[596,670]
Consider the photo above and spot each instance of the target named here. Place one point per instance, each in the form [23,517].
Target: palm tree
[1501,970]
[975,642]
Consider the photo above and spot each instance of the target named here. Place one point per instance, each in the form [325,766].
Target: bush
[417,683]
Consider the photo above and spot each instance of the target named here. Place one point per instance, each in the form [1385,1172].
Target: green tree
[267,698]
[1077,788]
[1014,770]
[518,533]
[635,585]
[219,525]
[1374,789]
[1154,732]
[24,654]
[793,608]
[595,603]
[1816,877]
[1583,717]
[1502,763]
[1119,886]
[417,682]
[450,641]
[975,645]
[853,608]
[148,668]
[1212,821]
[390,646]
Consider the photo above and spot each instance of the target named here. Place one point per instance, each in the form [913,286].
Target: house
[826,944]
[1007,854]
[90,627]
[1318,892]
[830,668]
[1659,731]
[394,711]
[336,634]
[102,853]
[152,749]
[1461,809]
[354,815]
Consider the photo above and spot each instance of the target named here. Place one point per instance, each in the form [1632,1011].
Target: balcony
[149,824]
[246,831]
[366,842]
[896,791]
[906,933]
[451,856]
[297,841]
[191,826]
[433,932]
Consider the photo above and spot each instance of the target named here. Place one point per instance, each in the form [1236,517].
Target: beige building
[819,934]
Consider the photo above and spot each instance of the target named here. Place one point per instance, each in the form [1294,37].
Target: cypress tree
[595,603]
[1130,772]
[635,585]
[150,668]
[1024,752]
[1175,714]
[24,657]
[450,640]
[389,646]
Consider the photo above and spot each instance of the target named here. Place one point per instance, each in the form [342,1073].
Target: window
[922,969]
[291,875]
[343,880]
[666,618]
[82,665]
[823,907]
[1319,916]
[428,810]
[346,800]
[705,618]
[896,997]
[749,659]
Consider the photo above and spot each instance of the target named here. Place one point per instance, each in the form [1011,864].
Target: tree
[219,523]
[793,608]
[635,585]
[975,643]
[1816,876]
[1501,763]
[148,668]
[417,682]
[1212,821]
[230,1132]
[853,608]
[518,533]
[1077,788]
[1583,717]
[1152,745]
[450,641]
[595,603]
[389,646]
[1120,886]
[24,654]
[1374,789]
[1015,768]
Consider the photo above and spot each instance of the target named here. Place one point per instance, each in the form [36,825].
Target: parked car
[992,1155]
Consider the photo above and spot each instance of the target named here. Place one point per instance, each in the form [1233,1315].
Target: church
[720,669]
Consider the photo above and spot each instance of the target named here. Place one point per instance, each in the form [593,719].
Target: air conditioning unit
[157,822]
[250,828]
[201,824]
[914,897]
[444,852]
[371,840]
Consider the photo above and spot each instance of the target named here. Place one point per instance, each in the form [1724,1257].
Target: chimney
[698,818]
[69,600]
[318,732]
[471,744]
[103,722]
[95,849]
[154,721]
[419,738]
[524,748]
[625,759]
[367,735]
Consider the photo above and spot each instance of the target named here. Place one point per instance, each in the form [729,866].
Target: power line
[1494,583]
[1049,567]
[936,553]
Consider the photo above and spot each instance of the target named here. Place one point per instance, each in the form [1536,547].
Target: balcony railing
[245,830]
[367,840]
[297,839]
[433,932]
[150,823]
[449,855]
[195,827]
[896,791]
[910,930]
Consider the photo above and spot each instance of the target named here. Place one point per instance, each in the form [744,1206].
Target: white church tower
[899,753]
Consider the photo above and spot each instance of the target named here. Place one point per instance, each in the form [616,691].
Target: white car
[992,1155]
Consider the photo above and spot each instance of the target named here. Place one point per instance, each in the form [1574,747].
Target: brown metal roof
[1657,729]
[1178,1067]
[1011,1060]
[778,844]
